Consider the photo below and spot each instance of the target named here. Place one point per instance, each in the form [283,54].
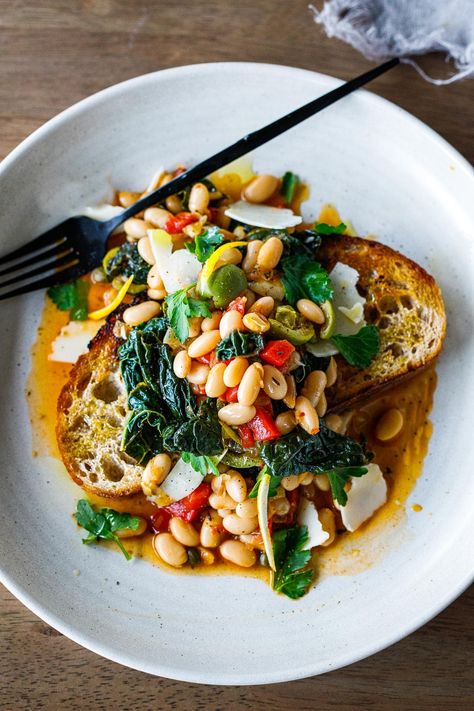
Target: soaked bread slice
[91,417]
[402,300]
[405,304]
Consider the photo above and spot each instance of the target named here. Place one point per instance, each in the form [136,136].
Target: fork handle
[250,142]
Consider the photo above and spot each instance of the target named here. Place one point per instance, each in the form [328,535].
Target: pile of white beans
[228,528]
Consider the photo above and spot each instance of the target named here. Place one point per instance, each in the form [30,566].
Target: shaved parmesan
[263,215]
[73,340]
[181,481]
[308,516]
[176,269]
[366,495]
[348,307]
[348,304]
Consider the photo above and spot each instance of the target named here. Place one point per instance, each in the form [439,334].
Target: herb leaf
[200,463]
[324,229]
[288,186]
[339,477]
[103,523]
[238,343]
[180,308]
[272,490]
[71,297]
[305,279]
[299,452]
[206,243]
[290,578]
[359,349]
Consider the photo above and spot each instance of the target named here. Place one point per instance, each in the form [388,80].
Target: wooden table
[56,52]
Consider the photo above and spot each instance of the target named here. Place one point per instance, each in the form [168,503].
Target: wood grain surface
[54,53]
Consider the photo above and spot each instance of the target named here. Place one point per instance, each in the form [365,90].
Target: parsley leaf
[205,244]
[339,477]
[272,489]
[201,463]
[359,349]
[324,229]
[288,186]
[71,297]
[181,307]
[103,523]
[290,559]
[305,279]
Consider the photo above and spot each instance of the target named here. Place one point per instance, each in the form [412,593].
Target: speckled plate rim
[465,572]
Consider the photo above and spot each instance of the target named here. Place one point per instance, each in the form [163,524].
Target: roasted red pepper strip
[176,223]
[246,435]
[230,394]
[237,304]
[276,352]
[160,519]
[263,426]
[191,506]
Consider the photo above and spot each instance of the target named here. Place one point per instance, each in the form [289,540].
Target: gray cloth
[382,29]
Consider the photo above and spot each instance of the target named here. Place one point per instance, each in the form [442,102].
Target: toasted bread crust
[406,305]
[91,415]
[402,299]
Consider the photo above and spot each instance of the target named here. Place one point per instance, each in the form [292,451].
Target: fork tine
[58,277]
[67,259]
[55,251]
[44,240]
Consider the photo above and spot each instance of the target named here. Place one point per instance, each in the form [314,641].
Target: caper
[225,284]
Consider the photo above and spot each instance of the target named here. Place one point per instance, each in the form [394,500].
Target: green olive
[328,329]
[290,325]
[225,284]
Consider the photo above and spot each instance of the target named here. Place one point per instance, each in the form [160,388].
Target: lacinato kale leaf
[180,308]
[299,452]
[71,297]
[338,478]
[238,343]
[142,435]
[361,348]
[156,397]
[304,278]
[291,578]
[104,523]
[206,243]
[298,242]
[201,434]
[127,262]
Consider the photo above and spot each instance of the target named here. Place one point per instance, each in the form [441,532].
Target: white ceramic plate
[392,176]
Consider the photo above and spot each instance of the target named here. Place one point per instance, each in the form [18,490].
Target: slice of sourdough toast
[405,304]
[91,417]
[402,300]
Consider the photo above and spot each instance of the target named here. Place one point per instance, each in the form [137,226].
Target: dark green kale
[299,452]
[127,262]
[238,343]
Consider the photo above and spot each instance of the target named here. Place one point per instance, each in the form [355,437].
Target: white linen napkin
[382,29]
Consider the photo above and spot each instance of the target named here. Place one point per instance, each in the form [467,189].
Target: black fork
[77,245]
